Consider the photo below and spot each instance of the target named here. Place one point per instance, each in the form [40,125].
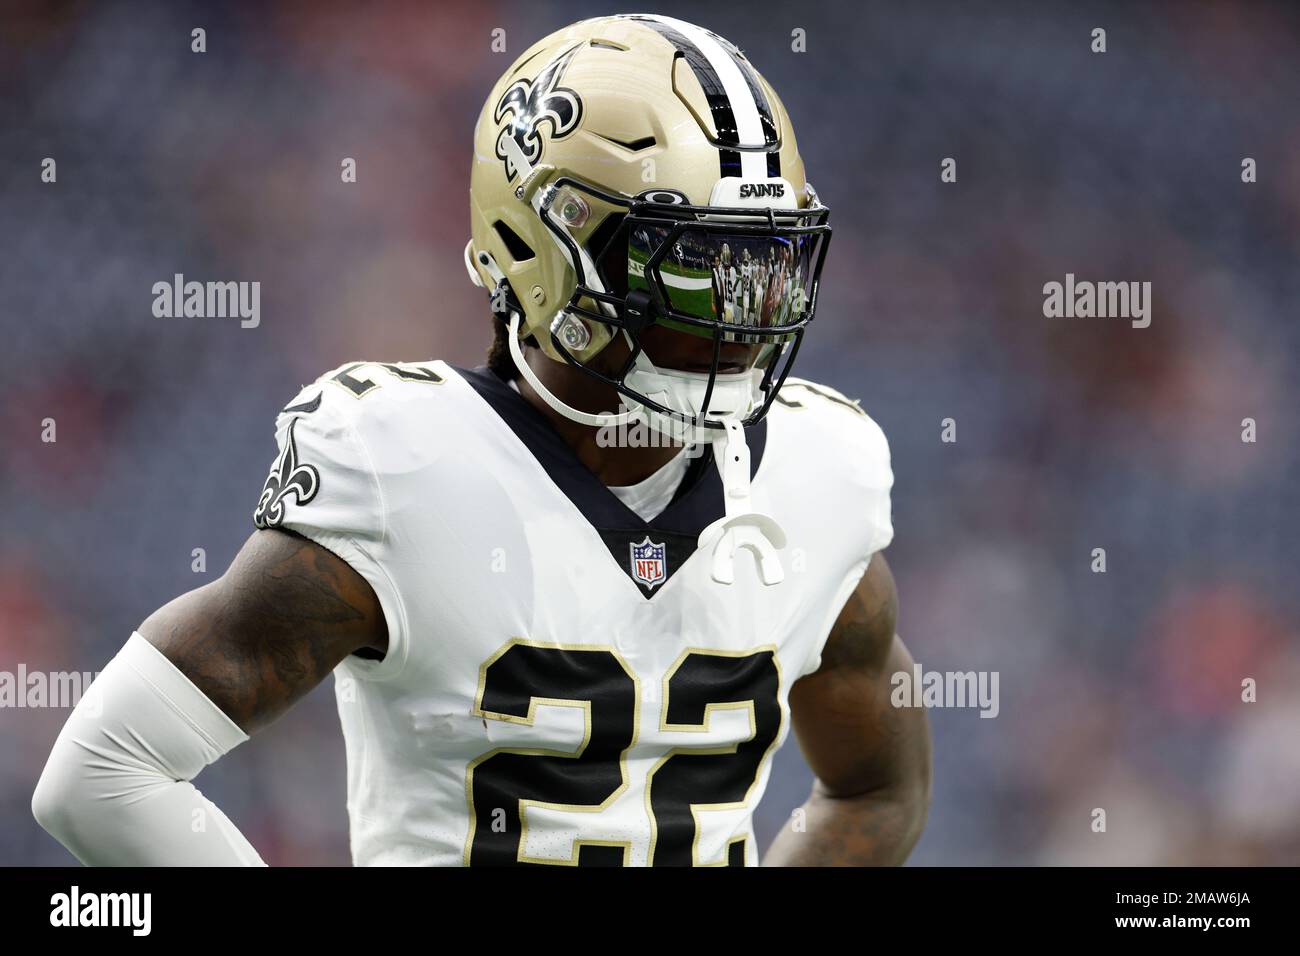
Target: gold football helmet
[632,171]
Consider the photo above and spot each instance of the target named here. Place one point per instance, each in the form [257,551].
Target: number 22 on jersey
[503,784]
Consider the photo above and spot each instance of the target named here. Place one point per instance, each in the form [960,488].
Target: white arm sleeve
[116,790]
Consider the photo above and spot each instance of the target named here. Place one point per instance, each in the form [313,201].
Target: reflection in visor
[754,280]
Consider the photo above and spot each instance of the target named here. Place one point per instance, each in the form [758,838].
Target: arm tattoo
[864,631]
[279,620]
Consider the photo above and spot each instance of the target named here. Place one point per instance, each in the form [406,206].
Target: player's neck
[615,465]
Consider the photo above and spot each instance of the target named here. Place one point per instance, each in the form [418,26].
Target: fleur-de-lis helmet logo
[287,477]
[530,103]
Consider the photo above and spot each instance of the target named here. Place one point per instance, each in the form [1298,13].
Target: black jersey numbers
[505,782]
[360,384]
[820,391]
[696,778]
[713,774]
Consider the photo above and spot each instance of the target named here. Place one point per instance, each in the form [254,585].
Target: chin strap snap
[740,527]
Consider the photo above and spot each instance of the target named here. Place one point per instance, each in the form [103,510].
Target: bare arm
[284,614]
[871,759]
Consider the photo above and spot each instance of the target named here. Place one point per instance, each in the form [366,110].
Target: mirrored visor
[757,280]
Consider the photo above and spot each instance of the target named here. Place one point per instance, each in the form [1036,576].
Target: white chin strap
[601,420]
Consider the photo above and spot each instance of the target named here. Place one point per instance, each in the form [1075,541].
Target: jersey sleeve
[871,478]
[864,479]
[863,473]
[323,486]
[873,473]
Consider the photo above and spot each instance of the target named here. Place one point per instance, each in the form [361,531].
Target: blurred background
[1119,690]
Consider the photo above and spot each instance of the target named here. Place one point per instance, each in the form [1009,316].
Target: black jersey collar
[697,503]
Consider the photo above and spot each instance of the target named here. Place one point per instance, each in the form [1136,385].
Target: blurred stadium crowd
[1119,690]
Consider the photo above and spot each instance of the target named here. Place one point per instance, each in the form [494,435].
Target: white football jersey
[565,683]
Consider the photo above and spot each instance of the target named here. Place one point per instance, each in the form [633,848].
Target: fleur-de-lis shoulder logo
[531,103]
[287,477]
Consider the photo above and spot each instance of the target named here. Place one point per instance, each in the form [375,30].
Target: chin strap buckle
[740,527]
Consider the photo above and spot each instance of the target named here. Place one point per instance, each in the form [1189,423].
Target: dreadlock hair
[499,361]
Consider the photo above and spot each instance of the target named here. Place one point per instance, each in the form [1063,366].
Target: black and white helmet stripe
[747,141]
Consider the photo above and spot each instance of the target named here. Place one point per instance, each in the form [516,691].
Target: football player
[551,646]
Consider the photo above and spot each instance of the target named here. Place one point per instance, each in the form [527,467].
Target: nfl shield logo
[649,562]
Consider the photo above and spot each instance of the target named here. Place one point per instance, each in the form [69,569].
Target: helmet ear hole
[519,250]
